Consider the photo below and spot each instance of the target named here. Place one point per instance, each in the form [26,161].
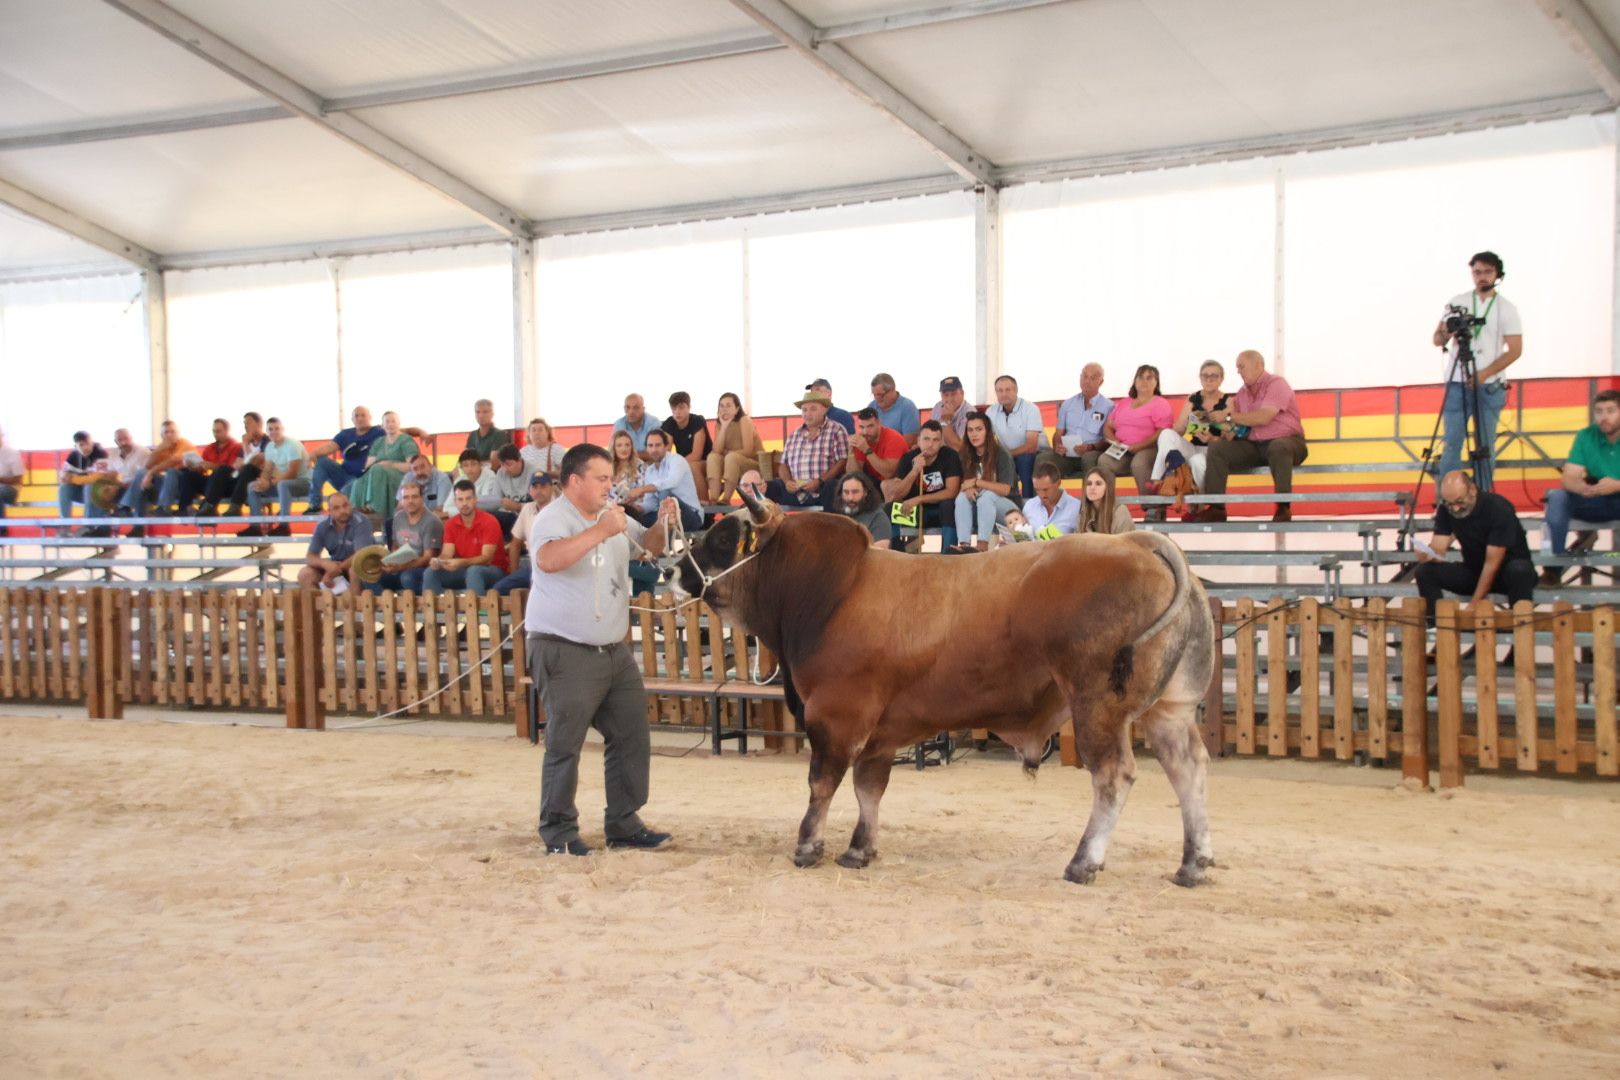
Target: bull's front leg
[827,768]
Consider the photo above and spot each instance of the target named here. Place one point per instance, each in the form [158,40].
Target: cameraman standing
[1498,340]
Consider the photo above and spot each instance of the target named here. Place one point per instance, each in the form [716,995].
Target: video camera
[1461,322]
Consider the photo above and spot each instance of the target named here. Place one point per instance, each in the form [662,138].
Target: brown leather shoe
[1284,512]
[1208,515]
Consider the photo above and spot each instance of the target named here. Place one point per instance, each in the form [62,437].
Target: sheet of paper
[1422,548]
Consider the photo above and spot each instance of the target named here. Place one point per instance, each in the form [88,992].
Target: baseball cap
[950,382]
[539,478]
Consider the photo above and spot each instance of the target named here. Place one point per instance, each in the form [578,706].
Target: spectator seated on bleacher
[989,480]
[12,474]
[470,467]
[688,438]
[636,422]
[627,470]
[1496,557]
[473,556]
[1099,513]
[354,444]
[330,557]
[1133,428]
[185,482]
[1193,432]
[125,462]
[486,438]
[511,486]
[541,488]
[666,476]
[895,411]
[737,447]
[1590,490]
[1077,439]
[951,410]
[541,451]
[842,417]
[434,485]
[874,449]
[1266,430]
[1018,427]
[230,485]
[283,475]
[924,487]
[376,490]
[812,457]
[83,465]
[144,486]
[416,539]
[860,500]
[1051,506]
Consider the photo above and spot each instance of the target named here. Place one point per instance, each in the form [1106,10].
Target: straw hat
[368,563]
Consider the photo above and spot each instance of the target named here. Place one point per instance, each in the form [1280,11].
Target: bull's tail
[1124,660]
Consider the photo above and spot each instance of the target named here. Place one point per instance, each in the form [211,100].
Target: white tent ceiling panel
[69,61]
[1106,76]
[25,242]
[339,47]
[748,125]
[249,186]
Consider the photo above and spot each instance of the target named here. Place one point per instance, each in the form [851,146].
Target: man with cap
[952,412]
[842,417]
[414,527]
[812,457]
[540,491]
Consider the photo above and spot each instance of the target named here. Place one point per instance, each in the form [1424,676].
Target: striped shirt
[809,457]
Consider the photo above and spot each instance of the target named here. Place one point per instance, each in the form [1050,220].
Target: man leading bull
[578,618]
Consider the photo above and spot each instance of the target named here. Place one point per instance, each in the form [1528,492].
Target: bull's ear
[757,507]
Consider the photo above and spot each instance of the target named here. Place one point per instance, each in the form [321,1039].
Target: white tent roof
[539,117]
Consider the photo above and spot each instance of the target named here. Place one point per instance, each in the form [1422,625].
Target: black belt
[558,639]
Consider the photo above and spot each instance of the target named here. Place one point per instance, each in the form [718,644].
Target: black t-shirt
[1493,523]
[78,462]
[1196,398]
[683,438]
[945,465]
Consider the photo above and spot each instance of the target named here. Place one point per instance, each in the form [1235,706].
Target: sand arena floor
[185,900]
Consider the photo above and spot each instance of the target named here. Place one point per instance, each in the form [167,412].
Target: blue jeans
[1562,506]
[475,579]
[1024,465]
[136,496]
[180,488]
[68,494]
[1455,420]
[283,492]
[691,517]
[8,497]
[979,516]
[405,581]
[517,579]
[326,472]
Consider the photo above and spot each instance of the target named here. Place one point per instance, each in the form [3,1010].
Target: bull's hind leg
[1106,750]
[1173,728]
[871,778]
[827,768]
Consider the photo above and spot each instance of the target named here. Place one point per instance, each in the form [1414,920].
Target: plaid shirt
[809,459]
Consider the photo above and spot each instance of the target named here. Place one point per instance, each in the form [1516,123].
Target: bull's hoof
[855,860]
[806,857]
[1081,873]
[1190,875]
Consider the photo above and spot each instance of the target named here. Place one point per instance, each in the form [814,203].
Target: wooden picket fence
[1305,678]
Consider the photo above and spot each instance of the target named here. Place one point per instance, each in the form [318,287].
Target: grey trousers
[584,687]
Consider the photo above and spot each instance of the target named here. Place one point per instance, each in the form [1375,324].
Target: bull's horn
[755,507]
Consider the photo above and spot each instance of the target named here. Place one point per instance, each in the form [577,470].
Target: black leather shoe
[573,847]
[645,840]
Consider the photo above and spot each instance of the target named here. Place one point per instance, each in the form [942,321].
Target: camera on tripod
[1461,322]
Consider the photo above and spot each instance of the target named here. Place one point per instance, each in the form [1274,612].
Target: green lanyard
[1490,304]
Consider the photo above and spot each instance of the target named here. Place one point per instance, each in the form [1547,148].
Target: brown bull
[880,650]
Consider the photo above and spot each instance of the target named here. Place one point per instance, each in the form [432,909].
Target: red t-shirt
[890,444]
[216,455]
[469,542]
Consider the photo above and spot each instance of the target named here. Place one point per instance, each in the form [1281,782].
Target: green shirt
[488,444]
[1596,454]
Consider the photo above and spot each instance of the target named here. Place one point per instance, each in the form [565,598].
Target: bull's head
[733,540]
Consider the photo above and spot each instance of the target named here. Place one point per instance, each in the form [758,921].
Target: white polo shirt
[1490,340]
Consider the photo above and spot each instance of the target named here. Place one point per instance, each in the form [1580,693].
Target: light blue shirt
[1085,419]
[1012,428]
[902,416]
[672,476]
[1066,515]
[649,422]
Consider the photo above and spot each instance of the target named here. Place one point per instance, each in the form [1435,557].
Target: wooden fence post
[301,636]
[1605,734]
[101,698]
[1448,662]
[1414,694]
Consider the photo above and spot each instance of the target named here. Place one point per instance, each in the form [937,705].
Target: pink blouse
[1132,425]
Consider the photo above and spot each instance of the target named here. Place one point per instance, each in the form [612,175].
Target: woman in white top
[1192,432]
[542,453]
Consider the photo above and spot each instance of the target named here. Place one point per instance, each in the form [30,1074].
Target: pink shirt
[1270,390]
[1133,425]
